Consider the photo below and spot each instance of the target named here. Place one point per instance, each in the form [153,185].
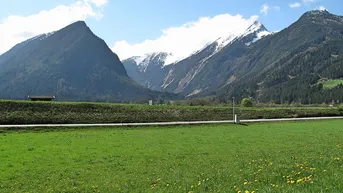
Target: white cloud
[15,29]
[294,5]
[308,1]
[264,9]
[99,3]
[184,40]
[322,8]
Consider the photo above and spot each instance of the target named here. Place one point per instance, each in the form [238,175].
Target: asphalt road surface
[166,123]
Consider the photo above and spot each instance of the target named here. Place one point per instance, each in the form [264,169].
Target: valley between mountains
[288,66]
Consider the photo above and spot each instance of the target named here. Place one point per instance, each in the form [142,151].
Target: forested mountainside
[72,64]
[288,66]
[284,67]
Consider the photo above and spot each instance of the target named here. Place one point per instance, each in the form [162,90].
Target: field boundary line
[168,123]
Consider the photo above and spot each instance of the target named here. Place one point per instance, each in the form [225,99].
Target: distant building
[41,98]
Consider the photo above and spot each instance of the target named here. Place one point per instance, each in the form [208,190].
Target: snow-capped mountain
[153,70]
[257,30]
[148,70]
[187,76]
[156,59]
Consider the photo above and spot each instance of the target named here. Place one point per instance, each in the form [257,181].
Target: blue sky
[135,21]
[150,16]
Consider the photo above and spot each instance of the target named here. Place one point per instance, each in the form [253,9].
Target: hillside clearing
[332,83]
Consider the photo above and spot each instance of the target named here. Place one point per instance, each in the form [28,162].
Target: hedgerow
[26,112]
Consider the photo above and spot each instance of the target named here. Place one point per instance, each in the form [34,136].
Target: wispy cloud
[15,28]
[183,40]
[308,1]
[99,3]
[295,5]
[264,9]
[322,8]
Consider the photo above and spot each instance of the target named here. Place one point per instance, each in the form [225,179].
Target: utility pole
[233,109]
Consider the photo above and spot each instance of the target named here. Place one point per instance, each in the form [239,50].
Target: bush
[246,102]
[26,112]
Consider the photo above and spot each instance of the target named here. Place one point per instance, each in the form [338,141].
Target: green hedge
[24,112]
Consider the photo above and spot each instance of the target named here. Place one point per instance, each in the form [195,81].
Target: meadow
[26,112]
[332,83]
[261,157]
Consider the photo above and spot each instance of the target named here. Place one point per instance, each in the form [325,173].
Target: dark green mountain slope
[287,66]
[72,64]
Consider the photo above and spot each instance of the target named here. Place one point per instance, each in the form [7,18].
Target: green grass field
[261,157]
[332,83]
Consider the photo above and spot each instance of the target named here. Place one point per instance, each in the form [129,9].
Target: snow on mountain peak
[157,58]
[255,27]
[138,59]
[163,59]
[260,31]
[44,36]
[224,41]
[262,34]
[40,36]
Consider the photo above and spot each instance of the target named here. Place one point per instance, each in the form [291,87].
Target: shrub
[246,102]
[27,112]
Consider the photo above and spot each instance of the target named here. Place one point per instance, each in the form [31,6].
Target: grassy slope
[23,112]
[331,83]
[273,157]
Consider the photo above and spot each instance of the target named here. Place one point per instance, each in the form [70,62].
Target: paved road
[166,123]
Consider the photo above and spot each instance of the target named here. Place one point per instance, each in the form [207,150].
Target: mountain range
[72,64]
[153,72]
[284,67]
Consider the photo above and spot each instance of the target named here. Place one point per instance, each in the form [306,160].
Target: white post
[237,119]
[233,109]
[150,102]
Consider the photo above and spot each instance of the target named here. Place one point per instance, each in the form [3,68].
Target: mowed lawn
[262,157]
